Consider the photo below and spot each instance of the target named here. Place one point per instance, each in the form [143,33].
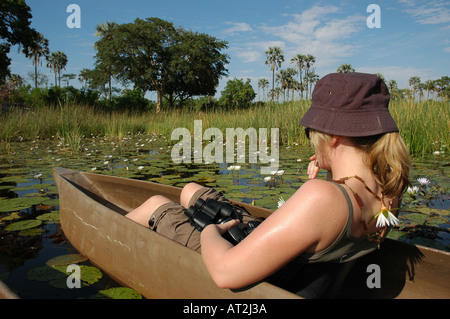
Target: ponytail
[388,157]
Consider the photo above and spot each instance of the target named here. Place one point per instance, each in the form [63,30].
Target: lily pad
[46,273]
[16,204]
[50,217]
[24,224]
[66,260]
[12,216]
[57,275]
[31,232]
[118,293]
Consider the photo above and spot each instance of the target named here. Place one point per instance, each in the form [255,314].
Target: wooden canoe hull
[92,208]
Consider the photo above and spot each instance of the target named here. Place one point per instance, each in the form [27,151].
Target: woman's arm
[298,226]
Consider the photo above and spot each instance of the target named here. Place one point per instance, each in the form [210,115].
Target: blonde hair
[386,155]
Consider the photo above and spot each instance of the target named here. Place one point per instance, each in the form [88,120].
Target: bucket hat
[350,104]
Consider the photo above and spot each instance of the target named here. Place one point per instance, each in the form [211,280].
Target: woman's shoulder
[319,187]
[318,194]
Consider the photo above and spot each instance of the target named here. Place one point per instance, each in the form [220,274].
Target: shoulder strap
[350,208]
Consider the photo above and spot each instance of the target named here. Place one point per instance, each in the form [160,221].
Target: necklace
[384,218]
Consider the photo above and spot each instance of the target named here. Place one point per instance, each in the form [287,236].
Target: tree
[14,30]
[263,84]
[345,68]
[35,51]
[195,67]
[274,58]
[68,77]
[414,82]
[237,94]
[299,61]
[153,55]
[57,61]
[105,55]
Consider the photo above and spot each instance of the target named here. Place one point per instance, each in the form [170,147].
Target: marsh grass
[423,125]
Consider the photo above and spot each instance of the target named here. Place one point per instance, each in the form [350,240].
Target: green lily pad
[16,204]
[31,232]
[12,216]
[24,224]
[66,260]
[118,293]
[57,275]
[46,273]
[50,217]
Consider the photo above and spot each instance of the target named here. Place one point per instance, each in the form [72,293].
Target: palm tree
[38,49]
[414,81]
[274,59]
[345,68]
[264,86]
[311,79]
[57,62]
[309,61]
[84,77]
[299,60]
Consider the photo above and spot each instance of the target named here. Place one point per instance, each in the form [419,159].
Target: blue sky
[413,39]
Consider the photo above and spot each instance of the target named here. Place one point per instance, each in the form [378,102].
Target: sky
[413,37]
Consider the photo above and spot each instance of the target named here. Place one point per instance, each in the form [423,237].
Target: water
[27,190]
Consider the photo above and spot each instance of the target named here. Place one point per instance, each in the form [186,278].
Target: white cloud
[315,32]
[429,12]
[237,27]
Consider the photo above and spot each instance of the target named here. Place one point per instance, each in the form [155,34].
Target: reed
[423,125]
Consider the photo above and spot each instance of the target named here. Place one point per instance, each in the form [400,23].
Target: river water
[28,194]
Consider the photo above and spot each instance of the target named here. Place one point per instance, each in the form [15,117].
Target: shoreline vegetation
[424,125]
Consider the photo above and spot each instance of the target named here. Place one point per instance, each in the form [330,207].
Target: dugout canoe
[91,212]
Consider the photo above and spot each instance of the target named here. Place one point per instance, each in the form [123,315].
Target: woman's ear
[335,140]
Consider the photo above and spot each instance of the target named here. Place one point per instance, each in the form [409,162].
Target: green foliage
[237,94]
[155,56]
[14,29]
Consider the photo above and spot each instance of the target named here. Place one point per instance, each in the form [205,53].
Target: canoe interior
[92,206]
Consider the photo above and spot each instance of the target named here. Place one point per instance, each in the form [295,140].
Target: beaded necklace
[384,218]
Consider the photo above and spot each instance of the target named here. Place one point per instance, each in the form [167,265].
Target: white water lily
[386,218]
[267,179]
[413,191]
[423,181]
[281,201]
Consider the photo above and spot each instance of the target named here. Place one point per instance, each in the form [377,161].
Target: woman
[357,142]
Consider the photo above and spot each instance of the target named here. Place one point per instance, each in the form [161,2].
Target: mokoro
[92,208]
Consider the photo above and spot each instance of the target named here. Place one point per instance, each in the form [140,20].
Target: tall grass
[423,125]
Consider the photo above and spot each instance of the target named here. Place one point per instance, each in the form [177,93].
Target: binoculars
[211,211]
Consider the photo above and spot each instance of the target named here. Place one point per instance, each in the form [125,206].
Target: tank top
[346,247]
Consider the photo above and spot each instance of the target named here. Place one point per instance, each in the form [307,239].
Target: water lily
[281,201]
[413,191]
[423,181]
[386,218]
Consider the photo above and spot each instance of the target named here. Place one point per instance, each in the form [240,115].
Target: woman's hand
[313,167]
[223,228]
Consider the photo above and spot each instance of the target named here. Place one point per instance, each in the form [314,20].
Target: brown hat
[350,104]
